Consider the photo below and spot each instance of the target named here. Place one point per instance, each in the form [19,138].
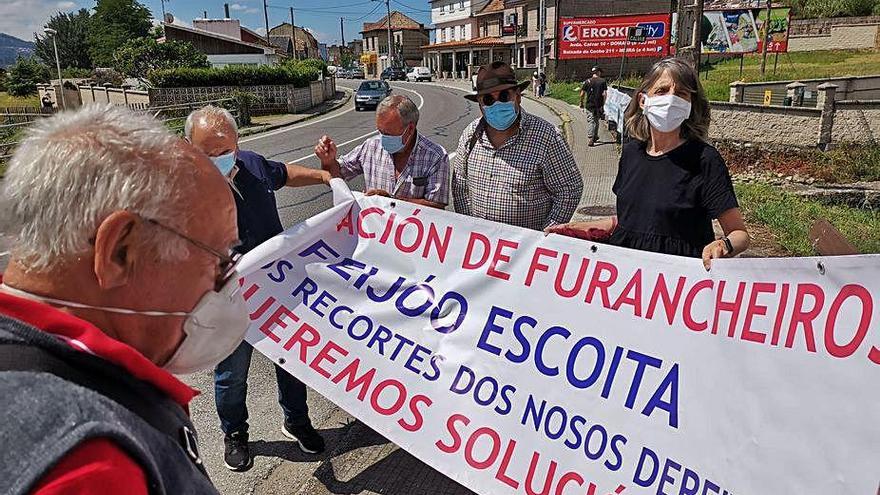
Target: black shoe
[310,441]
[237,456]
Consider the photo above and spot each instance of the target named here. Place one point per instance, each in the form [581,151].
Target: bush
[24,75]
[310,63]
[298,75]
[76,73]
[137,57]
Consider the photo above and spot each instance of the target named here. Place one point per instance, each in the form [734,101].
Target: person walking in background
[542,81]
[536,84]
[670,183]
[399,162]
[593,93]
[513,167]
[254,179]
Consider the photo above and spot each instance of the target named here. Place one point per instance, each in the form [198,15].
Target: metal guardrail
[173,116]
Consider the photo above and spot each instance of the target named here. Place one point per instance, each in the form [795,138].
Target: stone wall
[839,37]
[116,96]
[848,88]
[767,125]
[270,99]
[856,121]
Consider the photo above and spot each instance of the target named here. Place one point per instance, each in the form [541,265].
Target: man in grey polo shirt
[399,162]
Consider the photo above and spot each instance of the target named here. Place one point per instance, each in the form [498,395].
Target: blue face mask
[501,114]
[393,144]
[224,163]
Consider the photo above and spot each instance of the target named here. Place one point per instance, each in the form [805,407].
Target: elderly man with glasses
[120,276]
[513,167]
[253,179]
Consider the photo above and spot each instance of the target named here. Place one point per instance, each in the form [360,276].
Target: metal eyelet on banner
[393,204]
[821,267]
[594,248]
[281,361]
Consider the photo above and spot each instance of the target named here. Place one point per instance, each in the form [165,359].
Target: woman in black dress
[670,183]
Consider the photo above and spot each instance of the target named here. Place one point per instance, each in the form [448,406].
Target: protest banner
[518,363]
[606,37]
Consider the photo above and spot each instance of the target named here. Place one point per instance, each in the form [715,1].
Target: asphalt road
[444,114]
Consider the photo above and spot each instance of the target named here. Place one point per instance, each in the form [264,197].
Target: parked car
[370,93]
[357,73]
[419,74]
[343,74]
[393,74]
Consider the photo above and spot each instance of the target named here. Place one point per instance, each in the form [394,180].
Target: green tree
[24,75]
[2,79]
[72,39]
[114,23]
[141,55]
[833,8]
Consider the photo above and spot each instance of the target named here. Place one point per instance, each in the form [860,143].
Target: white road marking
[339,145]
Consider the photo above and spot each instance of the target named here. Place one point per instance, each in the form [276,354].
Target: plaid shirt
[531,181]
[426,175]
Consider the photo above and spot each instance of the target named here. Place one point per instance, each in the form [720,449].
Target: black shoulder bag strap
[472,142]
[111,381]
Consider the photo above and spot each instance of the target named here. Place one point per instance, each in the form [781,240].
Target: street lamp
[52,32]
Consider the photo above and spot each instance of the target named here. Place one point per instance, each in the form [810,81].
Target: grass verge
[716,78]
[843,164]
[788,218]
[14,101]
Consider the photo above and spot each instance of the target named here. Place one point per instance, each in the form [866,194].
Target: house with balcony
[467,34]
[407,38]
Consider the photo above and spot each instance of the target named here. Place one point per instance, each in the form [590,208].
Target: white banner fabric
[519,363]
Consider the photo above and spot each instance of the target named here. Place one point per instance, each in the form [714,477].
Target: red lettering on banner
[501,257]
[780,314]
[456,436]
[325,355]
[475,237]
[536,264]
[579,281]
[305,341]
[277,318]
[493,454]
[566,479]
[689,306]
[548,478]
[874,355]
[346,223]
[363,234]
[805,318]
[753,309]
[350,373]
[670,304]
[596,282]
[398,403]
[418,418]
[262,309]
[846,350]
[733,307]
[632,294]
[501,475]
[250,291]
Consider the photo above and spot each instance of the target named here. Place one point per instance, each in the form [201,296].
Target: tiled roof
[492,7]
[486,41]
[398,21]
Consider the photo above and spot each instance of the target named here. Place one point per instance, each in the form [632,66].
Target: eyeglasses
[228,262]
[503,96]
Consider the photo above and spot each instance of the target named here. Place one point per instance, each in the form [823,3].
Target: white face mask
[666,113]
[212,330]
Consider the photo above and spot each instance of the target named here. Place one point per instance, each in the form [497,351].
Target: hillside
[11,47]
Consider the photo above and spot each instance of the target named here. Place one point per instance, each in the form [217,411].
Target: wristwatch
[727,245]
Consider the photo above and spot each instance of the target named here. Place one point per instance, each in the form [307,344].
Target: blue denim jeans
[230,392]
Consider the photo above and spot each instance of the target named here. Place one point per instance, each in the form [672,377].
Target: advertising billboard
[606,37]
[730,31]
[779,22]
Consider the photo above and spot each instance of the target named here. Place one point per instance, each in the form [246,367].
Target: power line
[410,7]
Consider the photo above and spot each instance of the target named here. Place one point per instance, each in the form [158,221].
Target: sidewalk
[270,122]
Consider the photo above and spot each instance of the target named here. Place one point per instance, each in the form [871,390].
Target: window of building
[461,5]
[531,55]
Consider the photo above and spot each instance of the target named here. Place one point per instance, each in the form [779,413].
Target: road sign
[636,34]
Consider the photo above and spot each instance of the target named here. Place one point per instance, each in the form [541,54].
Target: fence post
[125,95]
[794,92]
[736,92]
[825,102]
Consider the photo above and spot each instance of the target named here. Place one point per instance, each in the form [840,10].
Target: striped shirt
[531,181]
[426,175]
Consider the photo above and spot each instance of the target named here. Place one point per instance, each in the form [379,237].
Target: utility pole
[766,39]
[293,33]
[342,32]
[390,46]
[163,10]
[542,19]
[266,17]
[690,26]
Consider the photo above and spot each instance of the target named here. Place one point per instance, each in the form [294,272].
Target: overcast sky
[21,18]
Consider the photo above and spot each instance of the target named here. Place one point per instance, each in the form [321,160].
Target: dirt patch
[764,243]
